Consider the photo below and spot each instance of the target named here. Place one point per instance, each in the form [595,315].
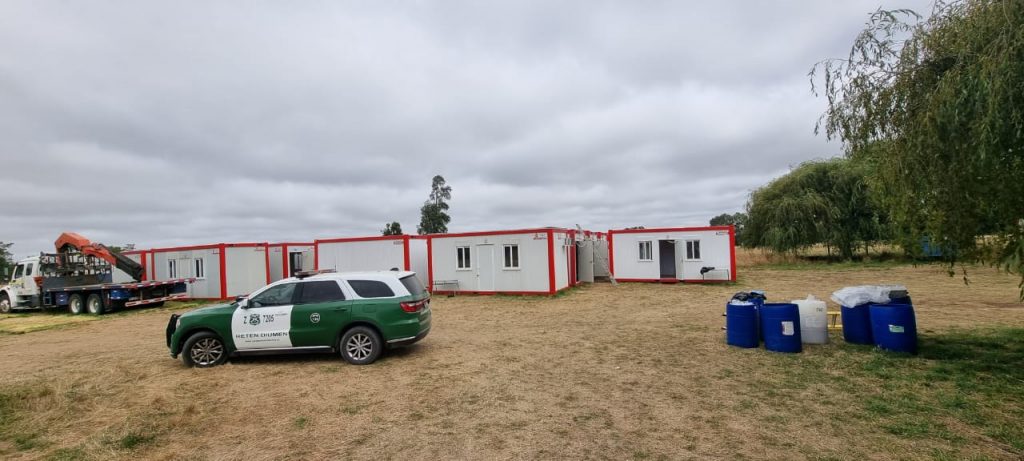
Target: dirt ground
[633,371]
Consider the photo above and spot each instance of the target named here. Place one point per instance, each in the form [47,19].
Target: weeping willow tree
[937,105]
[819,202]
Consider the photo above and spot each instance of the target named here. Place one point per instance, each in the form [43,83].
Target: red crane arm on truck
[71,240]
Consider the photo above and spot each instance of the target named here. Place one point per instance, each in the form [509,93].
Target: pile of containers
[882,315]
[879,315]
[783,327]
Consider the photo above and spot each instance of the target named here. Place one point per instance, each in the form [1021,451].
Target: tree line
[434,216]
[930,113]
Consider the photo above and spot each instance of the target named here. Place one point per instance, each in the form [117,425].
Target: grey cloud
[194,122]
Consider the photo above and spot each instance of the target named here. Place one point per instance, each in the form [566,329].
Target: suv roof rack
[304,274]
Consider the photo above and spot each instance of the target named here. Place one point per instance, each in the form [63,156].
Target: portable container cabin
[378,253]
[221,270]
[288,258]
[687,254]
[527,261]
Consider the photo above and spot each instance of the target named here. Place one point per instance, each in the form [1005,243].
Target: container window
[463,260]
[511,256]
[646,251]
[200,272]
[371,289]
[693,250]
[172,268]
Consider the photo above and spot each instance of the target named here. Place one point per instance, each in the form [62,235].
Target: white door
[485,267]
[266,321]
[585,261]
[681,259]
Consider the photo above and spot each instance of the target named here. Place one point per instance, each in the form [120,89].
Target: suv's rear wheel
[361,346]
[95,304]
[75,304]
[204,349]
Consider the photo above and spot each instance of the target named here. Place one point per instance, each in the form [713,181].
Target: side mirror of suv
[243,302]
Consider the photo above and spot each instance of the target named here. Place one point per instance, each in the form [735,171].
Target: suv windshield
[413,284]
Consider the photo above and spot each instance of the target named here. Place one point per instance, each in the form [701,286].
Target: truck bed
[120,286]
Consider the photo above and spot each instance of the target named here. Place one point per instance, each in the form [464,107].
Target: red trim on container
[291,244]
[501,232]
[611,253]
[732,250]
[266,258]
[316,256]
[430,263]
[223,271]
[681,280]
[492,293]
[284,261]
[669,229]
[361,239]
[551,261]
[405,256]
[145,271]
[207,247]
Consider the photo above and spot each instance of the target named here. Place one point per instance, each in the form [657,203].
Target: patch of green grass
[134,440]
[974,377]
[68,454]
[300,422]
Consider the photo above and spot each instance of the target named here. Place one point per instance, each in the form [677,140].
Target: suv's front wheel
[204,349]
[361,346]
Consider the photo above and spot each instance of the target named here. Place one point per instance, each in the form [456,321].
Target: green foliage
[434,217]
[738,220]
[392,228]
[6,259]
[818,202]
[937,106]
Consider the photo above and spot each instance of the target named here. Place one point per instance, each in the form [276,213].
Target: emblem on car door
[314,317]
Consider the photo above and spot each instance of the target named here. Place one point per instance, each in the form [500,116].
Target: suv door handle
[340,309]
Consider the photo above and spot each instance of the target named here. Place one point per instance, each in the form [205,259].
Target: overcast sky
[165,123]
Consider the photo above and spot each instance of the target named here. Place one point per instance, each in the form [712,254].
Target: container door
[680,259]
[667,250]
[295,263]
[585,261]
[485,267]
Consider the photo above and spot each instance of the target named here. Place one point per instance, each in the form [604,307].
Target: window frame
[360,296]
[252,300]
[199,268]
[640,250]
[506,254]
[298,297]
[692,249]
[464,257]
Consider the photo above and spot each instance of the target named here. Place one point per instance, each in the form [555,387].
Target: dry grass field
[633,371]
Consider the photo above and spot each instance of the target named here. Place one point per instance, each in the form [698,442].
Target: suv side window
[320,291]
[278,295]
[371,289]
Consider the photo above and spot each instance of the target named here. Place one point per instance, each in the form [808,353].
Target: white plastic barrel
[813,320]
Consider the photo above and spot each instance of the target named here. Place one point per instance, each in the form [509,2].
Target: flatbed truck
[84,277]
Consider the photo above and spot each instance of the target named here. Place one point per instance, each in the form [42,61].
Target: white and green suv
[356,314]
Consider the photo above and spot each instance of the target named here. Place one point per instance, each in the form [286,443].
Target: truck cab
[22,290]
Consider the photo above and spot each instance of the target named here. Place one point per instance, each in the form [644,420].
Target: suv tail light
[414,307]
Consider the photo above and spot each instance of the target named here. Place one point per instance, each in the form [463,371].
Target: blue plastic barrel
[780,325]
[894,327]
[857,324]
[741,324]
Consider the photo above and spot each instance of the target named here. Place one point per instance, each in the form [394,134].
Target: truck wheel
[95,304]
[5,305]
[361,346]
[75,304]
[203,349]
